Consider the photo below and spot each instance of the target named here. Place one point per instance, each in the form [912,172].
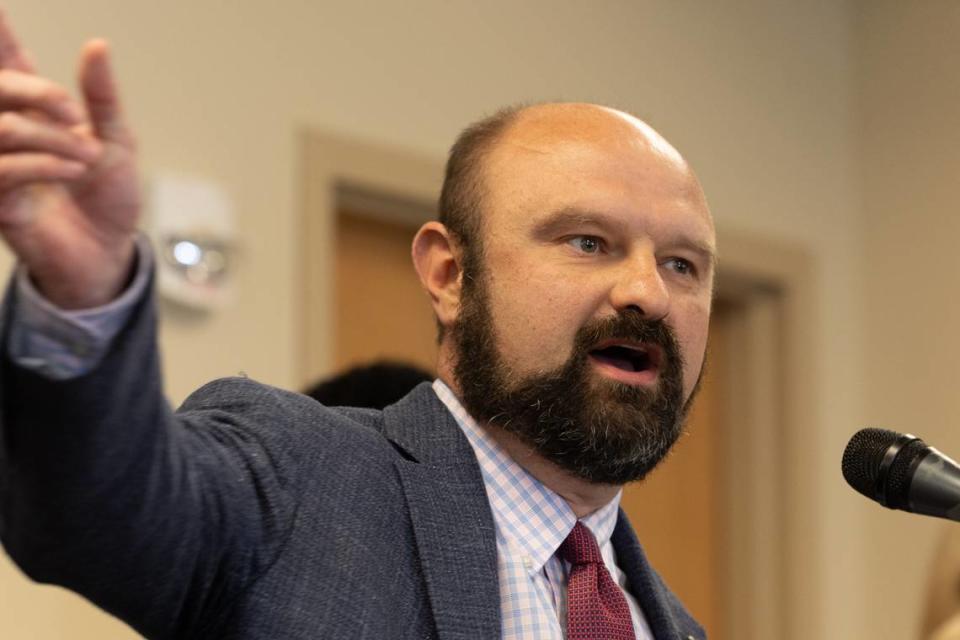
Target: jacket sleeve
[63,344]
[161,518]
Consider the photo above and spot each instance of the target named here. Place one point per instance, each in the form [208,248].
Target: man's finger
[12,55]
[100,93]
[18,169]
[19,133]
[22,91]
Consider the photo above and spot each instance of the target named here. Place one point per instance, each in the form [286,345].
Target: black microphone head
[879,464]
[863,456]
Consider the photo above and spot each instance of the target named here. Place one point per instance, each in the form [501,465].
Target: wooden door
[381,310]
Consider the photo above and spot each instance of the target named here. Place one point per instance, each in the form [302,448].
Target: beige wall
[910,126]
[759,94]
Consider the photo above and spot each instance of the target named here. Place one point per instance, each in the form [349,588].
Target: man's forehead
[547,125]
[565,150]
[571,141]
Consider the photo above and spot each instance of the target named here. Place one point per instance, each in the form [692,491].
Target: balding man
[571,274]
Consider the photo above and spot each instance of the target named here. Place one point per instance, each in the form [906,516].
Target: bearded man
[571,274]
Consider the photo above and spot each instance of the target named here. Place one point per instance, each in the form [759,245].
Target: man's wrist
[88,287]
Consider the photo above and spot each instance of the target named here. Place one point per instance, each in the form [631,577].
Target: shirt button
[528,562]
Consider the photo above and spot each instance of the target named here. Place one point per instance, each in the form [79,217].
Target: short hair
[462,195]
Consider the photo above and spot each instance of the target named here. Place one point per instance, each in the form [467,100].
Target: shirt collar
[531,517]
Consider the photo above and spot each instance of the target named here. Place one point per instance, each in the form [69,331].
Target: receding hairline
[463,185]
[465,190]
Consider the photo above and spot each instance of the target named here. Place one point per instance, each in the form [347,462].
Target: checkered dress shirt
[532,521]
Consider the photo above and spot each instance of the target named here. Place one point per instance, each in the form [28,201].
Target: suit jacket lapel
[451,517]
[667,618]
[456,537]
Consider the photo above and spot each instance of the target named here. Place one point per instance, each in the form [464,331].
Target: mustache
[629,326]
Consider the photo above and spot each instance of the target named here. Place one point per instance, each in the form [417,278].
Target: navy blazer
[256,513]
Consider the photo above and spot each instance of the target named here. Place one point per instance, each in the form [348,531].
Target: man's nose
[641,287]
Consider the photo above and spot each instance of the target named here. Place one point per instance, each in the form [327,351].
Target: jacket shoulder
[270,410]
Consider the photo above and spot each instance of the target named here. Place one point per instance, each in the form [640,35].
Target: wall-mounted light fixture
[193,230]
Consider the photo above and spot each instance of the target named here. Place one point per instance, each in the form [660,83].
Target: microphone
[901,472]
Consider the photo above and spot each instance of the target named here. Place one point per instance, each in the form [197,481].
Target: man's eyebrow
[570,216]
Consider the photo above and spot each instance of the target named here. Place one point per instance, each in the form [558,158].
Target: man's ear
[436,258]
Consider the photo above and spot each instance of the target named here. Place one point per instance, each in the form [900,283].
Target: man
[571,275]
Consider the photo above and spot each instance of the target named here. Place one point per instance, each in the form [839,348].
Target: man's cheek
[693,354]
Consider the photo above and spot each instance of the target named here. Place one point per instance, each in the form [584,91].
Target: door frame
[772,535]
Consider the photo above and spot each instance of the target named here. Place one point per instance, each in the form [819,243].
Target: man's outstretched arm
[160,518]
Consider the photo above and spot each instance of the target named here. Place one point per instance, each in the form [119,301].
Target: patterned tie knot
[580,547]
[596,607]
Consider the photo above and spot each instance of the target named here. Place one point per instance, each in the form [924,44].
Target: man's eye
[586,244]
[681,266]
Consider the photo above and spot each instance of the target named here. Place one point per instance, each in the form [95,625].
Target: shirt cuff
[60,344]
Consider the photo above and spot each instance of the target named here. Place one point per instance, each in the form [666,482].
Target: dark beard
[598,429]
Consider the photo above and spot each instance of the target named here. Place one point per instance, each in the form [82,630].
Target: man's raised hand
[69,192]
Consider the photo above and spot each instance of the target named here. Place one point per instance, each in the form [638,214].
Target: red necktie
[596,607]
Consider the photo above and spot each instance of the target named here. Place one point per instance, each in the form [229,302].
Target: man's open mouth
[627,356]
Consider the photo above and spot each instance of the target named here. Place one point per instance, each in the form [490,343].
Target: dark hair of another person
[372,386]
[461,198]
